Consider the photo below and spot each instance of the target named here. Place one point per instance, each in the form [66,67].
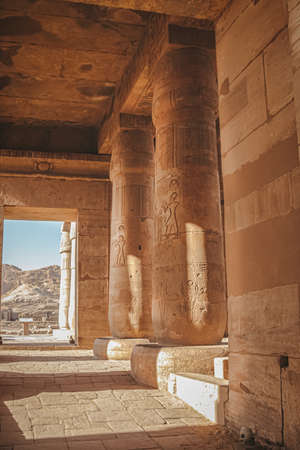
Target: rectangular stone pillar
[93,254]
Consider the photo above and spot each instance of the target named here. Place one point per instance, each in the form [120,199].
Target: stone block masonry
[90,200]
[262,221]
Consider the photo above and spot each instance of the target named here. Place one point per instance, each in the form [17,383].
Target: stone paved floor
[63,400]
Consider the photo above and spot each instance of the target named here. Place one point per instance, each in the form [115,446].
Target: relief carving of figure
[168,216]
[119,246]
[171,221]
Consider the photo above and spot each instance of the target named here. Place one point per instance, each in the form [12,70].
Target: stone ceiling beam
[66,166]
[200,9]
[137,78]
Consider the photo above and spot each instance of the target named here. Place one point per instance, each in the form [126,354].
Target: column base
[152,364]
[62,334]
[114,348]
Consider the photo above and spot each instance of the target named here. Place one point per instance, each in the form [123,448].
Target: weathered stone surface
[294,28]
[254,398]
[291,411]
[49,138]
[136,79]
[63,66]
[152,364]
[274,244]
[279,75]
[229,16]
[292,4]
[194,9]
[260,164]
[52,165]
[296,187]
[278,136]
[94,414]
[260,322]
[188,301]
[273,200]
[243,105]
[250,33]
[112,348]
[130,289]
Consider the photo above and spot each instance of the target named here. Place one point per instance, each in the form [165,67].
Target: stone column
[189,301]
[130,286]
[72,307]
[65,276]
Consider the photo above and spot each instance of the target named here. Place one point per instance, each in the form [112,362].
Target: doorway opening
[38,287]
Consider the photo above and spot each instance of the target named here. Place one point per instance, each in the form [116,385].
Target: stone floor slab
[101,408]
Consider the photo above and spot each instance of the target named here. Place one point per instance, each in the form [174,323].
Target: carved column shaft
[188,301]
[65,275]
[130,281]
[72,307]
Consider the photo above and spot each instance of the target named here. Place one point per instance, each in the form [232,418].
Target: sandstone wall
[261,172]
[91,199]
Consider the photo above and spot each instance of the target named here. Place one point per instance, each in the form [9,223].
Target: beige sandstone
[188,269]
[131,174]
[88,76]
[152,364]
[113,348]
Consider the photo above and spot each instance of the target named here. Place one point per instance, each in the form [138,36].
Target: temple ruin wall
[262,217]
[91,199]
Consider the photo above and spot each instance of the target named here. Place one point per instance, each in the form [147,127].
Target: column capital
[178,36]
[123,121]
[132,122]
[65,243]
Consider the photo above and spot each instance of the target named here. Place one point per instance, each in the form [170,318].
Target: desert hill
[31,293]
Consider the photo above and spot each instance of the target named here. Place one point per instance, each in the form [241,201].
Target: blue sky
[31,244]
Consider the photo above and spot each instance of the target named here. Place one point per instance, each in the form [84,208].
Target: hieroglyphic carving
[119,246]
[194,292]
[43,166]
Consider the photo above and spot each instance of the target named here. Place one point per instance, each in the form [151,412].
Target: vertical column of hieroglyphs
[188,302]
[262,216]
[65,276]
[130,286]
[73,265]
